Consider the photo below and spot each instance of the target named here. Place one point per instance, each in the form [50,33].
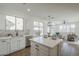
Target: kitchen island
[45,46]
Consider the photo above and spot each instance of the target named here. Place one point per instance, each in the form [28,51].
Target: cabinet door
[43,54]
[4,47]
[14,45]
[33,49]
[21,43]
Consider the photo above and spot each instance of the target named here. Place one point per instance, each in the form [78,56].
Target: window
[67,28]
[72,27]
[19,24]
[14,23]
[10,23]
[38,27]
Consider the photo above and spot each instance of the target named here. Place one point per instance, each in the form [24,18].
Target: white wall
[28,22]
[2,22]
[64,33]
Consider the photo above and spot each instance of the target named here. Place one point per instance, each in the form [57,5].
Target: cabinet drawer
[5,40]
[43,48]
[39,46]
[4,47]
[38,49]
[43,54]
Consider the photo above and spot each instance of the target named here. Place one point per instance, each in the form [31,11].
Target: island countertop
[49,42]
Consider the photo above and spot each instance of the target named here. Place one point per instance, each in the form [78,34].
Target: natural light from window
[14,23]
[19,24]
[38,27]
[10,23]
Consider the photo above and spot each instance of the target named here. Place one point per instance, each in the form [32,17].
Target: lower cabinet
[4,47]
[14,45]
[21,43]
[8,46]
[17,43]
[41,50]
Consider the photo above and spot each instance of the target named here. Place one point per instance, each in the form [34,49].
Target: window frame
[15,23]
[39,27]
[68,28]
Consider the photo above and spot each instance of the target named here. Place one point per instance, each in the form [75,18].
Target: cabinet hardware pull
[37,49]
[3,41]
[36,45]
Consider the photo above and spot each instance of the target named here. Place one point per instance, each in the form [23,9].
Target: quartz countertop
[1,38]
[9,37]
[27,35]
[73,42]
[49,42]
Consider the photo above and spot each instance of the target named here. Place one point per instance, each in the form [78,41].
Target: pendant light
[50,22]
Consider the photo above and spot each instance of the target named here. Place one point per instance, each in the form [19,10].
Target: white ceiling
[62,11]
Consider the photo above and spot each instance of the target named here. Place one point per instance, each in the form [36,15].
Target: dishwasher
[27,37]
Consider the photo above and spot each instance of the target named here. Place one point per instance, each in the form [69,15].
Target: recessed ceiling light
[28,9]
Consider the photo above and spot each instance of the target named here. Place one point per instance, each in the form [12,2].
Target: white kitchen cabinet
[41,50]
[17,43]
[11,44]
[21,43]
[34,51]
[4,47]
[45,46]
[14,44]
[38,50]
